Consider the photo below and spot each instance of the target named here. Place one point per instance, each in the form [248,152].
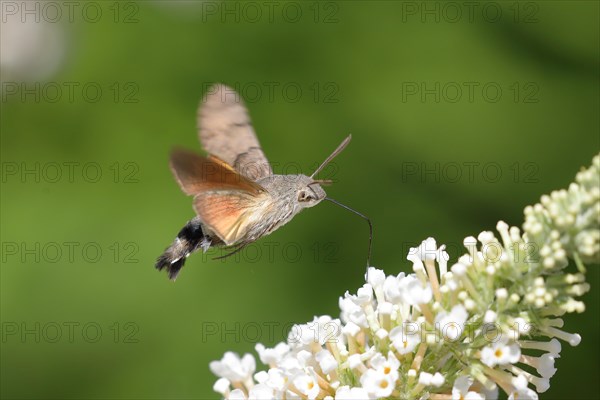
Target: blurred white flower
[222,386]
[233,368]
[30,50]
[260,392]
[272,356]
[237,394]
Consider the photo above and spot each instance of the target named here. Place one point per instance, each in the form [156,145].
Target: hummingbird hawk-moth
[237,197]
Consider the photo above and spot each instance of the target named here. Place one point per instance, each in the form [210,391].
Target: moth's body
[282,205]
[237,198]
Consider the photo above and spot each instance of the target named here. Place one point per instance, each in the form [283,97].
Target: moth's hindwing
[229,214]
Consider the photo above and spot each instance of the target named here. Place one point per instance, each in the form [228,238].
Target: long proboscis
[370,229]
[337,151]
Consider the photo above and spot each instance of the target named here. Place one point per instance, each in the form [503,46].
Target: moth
[236,196]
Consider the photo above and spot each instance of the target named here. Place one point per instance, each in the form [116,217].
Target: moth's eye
[304,196]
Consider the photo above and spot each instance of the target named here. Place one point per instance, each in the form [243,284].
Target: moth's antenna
[364,217]
[337,151]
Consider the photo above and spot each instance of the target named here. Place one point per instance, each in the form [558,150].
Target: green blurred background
[366,68]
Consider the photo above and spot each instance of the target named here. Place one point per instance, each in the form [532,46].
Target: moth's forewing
[225,130]
[196,174]
[229,214]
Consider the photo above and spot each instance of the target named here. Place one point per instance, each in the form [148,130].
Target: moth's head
[309,192]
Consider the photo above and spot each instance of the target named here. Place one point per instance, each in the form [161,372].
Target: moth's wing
[197,174]
[226,202]
[229,213]
[253,164]
[226,131]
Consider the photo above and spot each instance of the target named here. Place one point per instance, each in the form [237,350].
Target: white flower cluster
[458,332]
[566,221]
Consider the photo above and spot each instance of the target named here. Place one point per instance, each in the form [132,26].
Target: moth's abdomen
[189,239]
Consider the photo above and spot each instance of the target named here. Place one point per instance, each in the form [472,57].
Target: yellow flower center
[383,384]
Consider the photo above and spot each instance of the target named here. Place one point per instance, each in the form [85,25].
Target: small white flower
[427,250]
[322,329]
[260,392]
[490,394]
[490,317]
[438,379]
[377,384]
[261,376]
[523,327]
[305,358]
[452,324]
[221,386]
[543,364]
[364,295]
[290,364]
[500,353]
[553,347]
[381,334]
[307,383]
[375,277]
[385,308]
[501,294]
[234,368]
[403,340]
[459,269]
[523,394]
[276,379]
[352,312]
[347,393]
[414,291]
[391,288]
[351,329]
[271,356]
[460,390]
[386,366]
[355,361]
[237,394]
[326,361]
[425,378]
